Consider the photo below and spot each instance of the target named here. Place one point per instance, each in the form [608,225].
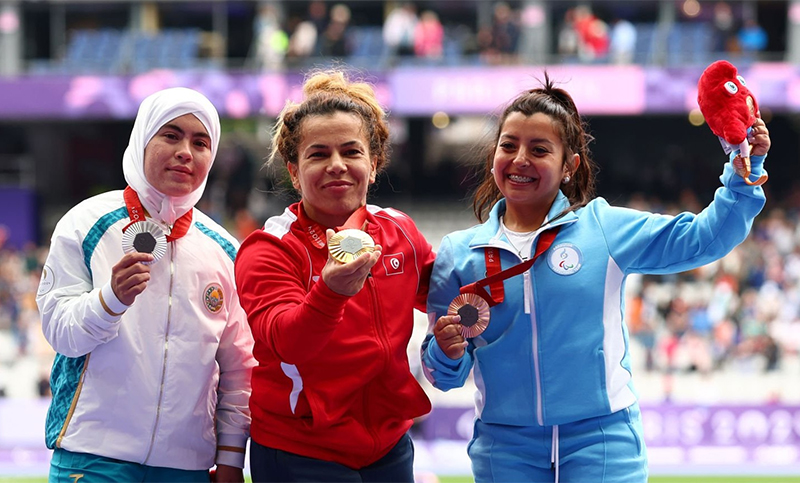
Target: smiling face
[334,167]
[529,167]
[178,157]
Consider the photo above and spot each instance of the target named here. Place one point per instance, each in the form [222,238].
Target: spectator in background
[302,41]
[398,30]
[724,24]
[568,36]
[306,37]
[159,350]
[334,42]
[623,41]
[752,39]
[592,34]
[271,41]
[429,36]
[318,14]
[500,42]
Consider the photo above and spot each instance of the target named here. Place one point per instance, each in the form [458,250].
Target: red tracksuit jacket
[333,379]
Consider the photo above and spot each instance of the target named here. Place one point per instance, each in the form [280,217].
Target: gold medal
[145,237]
[347,245]
[474,312]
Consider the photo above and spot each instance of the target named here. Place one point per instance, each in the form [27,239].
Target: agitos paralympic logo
[565,259]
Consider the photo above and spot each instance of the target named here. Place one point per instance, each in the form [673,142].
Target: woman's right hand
[348,278]
[448,335]
[129,277]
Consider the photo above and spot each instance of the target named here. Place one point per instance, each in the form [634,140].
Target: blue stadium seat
[367,46]
[644,51]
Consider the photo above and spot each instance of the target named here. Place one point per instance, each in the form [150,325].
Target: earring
[491,170]
[565,180]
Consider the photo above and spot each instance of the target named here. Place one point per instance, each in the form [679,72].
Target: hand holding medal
[349,266]
[472,305]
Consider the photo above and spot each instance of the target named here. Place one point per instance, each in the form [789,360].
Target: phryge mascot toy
[730,110]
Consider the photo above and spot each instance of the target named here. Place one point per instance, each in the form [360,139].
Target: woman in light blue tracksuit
[552,369]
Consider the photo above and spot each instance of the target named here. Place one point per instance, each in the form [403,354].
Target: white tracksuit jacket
[166,383]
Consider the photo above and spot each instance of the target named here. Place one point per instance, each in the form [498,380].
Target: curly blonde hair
[325,93]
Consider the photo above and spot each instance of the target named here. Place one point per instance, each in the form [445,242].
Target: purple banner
[597,89]
[683,435]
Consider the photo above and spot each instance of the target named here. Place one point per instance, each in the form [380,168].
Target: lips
[181,170]
[337,184]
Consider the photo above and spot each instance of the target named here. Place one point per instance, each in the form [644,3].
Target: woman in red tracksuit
[333,396]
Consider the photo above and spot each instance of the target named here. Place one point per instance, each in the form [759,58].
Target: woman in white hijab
[152,374]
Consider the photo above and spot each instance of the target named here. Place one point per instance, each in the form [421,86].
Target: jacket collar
[315,232]
[490,232]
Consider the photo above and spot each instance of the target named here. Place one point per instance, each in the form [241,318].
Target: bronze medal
[347,245]
[474,312]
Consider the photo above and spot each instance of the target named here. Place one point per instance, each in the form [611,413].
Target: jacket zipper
[166,351]
[528,308]
[384,342]
[535,342]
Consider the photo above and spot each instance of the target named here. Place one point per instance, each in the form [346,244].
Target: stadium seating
[114,51]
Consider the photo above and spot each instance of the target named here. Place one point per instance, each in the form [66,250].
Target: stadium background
[715,350]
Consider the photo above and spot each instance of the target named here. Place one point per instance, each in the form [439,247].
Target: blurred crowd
[410,34]
[739,315]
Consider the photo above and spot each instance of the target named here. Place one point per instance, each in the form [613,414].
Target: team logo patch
[47,281]
[393,264]
[565,259]
[213,298]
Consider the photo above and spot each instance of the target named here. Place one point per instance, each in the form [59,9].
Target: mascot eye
[741,80]
[731,87]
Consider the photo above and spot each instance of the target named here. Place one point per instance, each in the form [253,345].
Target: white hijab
[155,111]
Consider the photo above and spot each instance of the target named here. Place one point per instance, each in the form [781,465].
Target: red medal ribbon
[496,276]
[137,213]
[316,233]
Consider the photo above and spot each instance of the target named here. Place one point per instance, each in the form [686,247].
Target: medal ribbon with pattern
[496,276]
[349,242]
[474,301]
[136,213]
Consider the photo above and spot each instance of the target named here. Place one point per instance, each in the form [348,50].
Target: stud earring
[491,170]
[565,180]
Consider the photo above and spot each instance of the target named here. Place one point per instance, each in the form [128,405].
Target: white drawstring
[554,451]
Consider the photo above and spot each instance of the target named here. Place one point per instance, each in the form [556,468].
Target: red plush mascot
[730,110]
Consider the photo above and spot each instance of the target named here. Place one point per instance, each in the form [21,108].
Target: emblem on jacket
[46,282]
[213,298]
[393,264]
[565,259]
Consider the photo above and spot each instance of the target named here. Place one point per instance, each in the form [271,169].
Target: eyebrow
[534,140]
[325,146]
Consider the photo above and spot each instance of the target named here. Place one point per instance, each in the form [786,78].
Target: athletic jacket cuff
[111,309]
[441,358]
[757,162]
[230,450]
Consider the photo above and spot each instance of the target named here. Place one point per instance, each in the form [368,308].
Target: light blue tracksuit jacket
[556,349]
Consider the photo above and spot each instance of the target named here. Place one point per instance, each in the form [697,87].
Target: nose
[184,150]
[521,159]
[337,164]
